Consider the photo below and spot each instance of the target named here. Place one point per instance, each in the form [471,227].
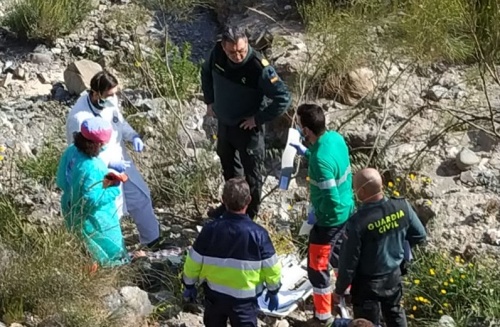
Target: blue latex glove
[273,301]
[119,166]
[190,294]
[138,144]
[311,218]
[301,149]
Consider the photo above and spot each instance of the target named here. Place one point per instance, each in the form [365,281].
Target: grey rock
[468,178]
[20,73]
[446,321]
[6,80]
[437,92]
[130,305]
[2,324]
[41,58]
[78,74]
[466,159]
[492,236]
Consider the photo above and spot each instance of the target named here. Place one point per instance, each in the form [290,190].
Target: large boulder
[130,305]
[78,74]
[350,88]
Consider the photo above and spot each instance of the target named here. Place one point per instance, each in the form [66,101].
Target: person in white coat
[102,101]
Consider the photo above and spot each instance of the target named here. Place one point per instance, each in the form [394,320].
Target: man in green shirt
[235,79]
[331,196]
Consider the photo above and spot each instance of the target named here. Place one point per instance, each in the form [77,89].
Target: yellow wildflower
[457,259]
[448,271]
[445,305]
[428,202]
[1,157]
[137,64]
[412,177]
[421,299]
[445,283]
[462,276]
[417,298]
[2,148]
[462,260]
[396,193]
[308,178]
[432,272]
[398,179]
[443,292]
[414,308]
[440,312]
[411,316]
[471,265]
[290,207]
[390,184]
[214,136]
[452,280]
[416,281]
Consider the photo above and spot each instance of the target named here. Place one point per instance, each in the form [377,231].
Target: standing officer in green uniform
[373,251]
[235,80]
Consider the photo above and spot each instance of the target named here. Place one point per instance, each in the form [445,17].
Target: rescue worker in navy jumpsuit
[234,259]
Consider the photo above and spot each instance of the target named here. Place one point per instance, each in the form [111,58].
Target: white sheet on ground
[287,158]
[295,287]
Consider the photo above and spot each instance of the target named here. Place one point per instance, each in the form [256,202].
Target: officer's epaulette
[260,59]
[397,197]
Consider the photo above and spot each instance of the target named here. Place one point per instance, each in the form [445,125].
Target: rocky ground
[454,172]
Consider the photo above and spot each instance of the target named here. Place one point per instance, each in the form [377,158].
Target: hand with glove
[190,294]
[120,166]
[138,144]
[311,217]
[273,301]
[301,149]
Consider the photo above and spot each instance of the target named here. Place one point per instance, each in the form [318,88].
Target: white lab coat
[138,197]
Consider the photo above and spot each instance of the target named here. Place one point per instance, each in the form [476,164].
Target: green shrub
[46,19]
[175,76]
[439,284]
[48,274]
[43,166]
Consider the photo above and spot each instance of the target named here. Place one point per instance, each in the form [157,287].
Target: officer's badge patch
[264,62]
[115,119]
[273,77]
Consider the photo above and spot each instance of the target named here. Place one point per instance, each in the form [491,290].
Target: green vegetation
[43,166]
[453,31]
[45,272]
[439,284]
[46,20]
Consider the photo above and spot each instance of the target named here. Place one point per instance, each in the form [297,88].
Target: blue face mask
[106,103]
[302,136]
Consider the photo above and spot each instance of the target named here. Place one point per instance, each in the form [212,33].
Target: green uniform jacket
[331,180]
[374,243]
[237,90]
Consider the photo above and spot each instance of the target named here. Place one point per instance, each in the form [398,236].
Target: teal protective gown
[63,177]
[90,208]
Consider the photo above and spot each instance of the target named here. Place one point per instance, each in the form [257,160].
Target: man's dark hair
[232,33]
[236,194]
[360,323]
[312,117]
[103,81]
[90,148]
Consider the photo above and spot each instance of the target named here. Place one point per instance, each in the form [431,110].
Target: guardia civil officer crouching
[373,250]
[235,79]
[234,259]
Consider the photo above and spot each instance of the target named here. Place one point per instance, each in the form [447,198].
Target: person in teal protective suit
[88,197]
